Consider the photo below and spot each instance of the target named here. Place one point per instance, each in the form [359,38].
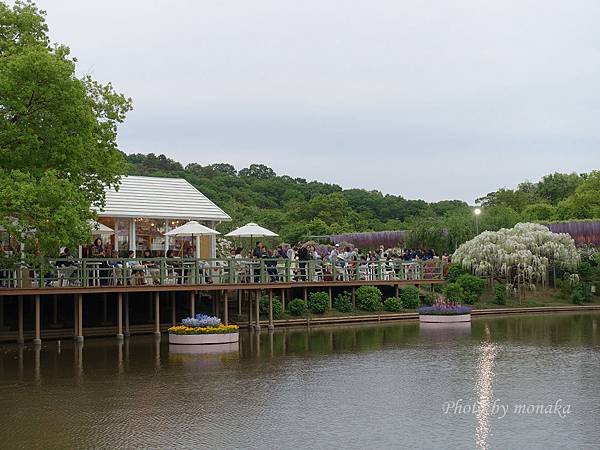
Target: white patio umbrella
[194,230]
[99,229]
[251,230]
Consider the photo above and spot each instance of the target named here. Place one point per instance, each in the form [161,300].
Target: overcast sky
[427,99]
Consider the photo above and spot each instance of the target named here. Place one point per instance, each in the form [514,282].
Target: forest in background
[297,208]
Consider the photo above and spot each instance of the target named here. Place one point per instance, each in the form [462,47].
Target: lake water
[535,381]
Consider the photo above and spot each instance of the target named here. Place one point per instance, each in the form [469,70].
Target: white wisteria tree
[522,255]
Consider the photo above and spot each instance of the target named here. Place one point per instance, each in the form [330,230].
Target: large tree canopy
[57,130]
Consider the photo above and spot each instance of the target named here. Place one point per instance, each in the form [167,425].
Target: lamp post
[477,212]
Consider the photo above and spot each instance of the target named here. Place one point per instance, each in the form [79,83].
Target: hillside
[297,208]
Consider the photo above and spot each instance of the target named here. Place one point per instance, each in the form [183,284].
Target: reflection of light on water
[484,385]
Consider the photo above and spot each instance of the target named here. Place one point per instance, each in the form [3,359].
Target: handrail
[89,272]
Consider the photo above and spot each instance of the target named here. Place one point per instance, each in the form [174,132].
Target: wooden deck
[207,287]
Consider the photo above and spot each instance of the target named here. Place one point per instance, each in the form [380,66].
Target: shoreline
[390,317]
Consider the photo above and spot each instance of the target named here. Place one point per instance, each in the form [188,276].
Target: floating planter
[203,330]
[444,312]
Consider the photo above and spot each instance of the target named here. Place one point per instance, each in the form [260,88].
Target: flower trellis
[522,255]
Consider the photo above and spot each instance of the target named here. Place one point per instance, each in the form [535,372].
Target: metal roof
[160,198]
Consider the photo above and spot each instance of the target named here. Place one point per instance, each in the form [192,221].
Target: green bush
[343,302]
[585,271]
[409,297]
[368,298]
[455,293]
[318,302]
[500,294]
[581,293]
[297,307]
[455,271]
[264,306]
[429,299]
[472,286]
[393,304]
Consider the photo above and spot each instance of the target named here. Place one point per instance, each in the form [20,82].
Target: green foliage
[455,293]
[585,202]
[585,271]
[264,306]
[409,296]
[393,304]
[581,293]
[472,287]
[318,302]
[343,302]
[368,298]
[455,271]
[297,307]
[58,135]
[429,299]
[500,294]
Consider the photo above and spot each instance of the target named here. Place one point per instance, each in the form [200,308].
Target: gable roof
[160,198]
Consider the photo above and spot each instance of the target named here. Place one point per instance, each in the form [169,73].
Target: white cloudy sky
[428,99]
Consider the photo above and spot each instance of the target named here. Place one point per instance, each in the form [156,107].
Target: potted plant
[444,311]
[203,330]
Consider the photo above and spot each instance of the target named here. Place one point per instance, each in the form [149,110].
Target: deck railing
[89,272]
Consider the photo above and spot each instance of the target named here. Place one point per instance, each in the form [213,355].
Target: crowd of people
[301,262]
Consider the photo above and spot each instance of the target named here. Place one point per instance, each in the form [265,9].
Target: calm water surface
[397,385]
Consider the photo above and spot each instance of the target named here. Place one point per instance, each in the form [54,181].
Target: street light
[477,212]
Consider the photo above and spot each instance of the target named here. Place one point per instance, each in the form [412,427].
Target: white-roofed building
[144,208]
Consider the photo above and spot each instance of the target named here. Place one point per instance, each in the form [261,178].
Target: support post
[353,297]
[239,299]
[79,334]
[37,340]
[157,314]
[20,336]
[271,326]
[250,307]
[397,288]
[120,316]
[173,309]
[283,299]
[305,295]
[126,306]
[257,310]
[226,308]
[330,298]
[192,303]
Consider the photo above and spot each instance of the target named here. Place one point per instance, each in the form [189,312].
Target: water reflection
[204,349]
[485,391]
[325,387]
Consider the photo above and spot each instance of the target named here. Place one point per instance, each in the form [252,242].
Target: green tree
[57,131]
[585,202]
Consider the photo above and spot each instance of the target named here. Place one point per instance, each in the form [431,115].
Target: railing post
[162,271]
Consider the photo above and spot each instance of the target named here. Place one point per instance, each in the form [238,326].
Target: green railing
[89,272]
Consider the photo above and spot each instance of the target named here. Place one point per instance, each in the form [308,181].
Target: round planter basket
[438,318]
[203,339]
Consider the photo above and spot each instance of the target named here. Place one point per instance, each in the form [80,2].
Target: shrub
[581,293]
[585,271]
[264,306]
[454,293]
[343,302]
[297,307]
[409,297]
[368,298]
[429,299]
[455,271]
[500,294]
[393,304]
[318,302]
[472,286]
